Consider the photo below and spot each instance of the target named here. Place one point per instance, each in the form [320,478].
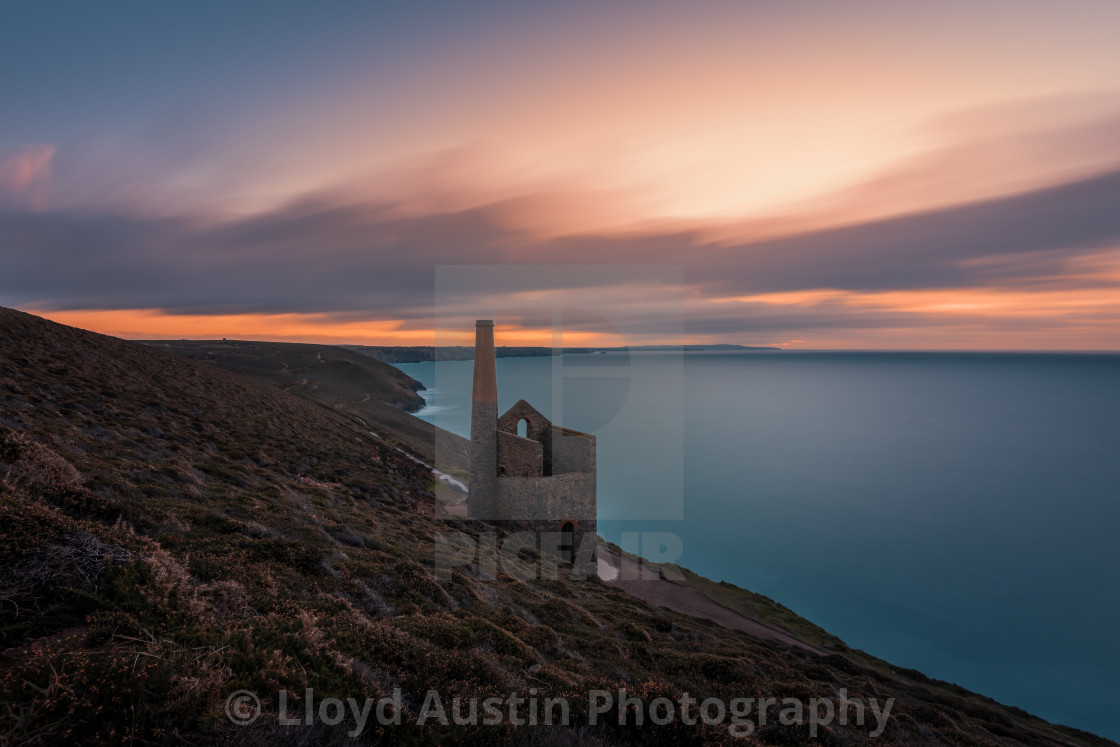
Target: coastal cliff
[173,533]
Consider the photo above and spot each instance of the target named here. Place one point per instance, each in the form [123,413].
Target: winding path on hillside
[647,583]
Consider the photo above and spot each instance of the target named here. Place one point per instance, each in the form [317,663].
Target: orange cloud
[994,303]
[950,319]
[151,324]
[997,303]
[960,318]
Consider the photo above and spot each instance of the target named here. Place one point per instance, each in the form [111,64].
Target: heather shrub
[23,461]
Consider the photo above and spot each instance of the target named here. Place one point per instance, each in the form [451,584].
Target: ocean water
[958,513]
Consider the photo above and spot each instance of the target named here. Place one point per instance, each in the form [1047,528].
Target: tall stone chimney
[482,500]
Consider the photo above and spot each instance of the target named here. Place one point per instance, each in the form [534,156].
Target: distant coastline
[423,353]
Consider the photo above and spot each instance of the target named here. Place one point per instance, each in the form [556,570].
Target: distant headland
[421,353]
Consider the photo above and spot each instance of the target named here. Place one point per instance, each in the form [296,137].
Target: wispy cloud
[960,246]
[25,174]
[995,257]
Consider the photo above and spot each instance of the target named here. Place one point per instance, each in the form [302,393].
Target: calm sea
[958,513]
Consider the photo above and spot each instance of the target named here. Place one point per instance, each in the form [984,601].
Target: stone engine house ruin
[543,480]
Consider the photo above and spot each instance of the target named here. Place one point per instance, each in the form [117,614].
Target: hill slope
[336,372]
[171,533]
[335,377]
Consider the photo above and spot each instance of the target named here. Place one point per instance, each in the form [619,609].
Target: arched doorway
[568,541]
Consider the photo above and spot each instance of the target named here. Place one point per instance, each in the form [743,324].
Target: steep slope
[336,377]
[171,533]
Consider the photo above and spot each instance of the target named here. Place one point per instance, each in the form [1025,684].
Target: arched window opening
[523,427]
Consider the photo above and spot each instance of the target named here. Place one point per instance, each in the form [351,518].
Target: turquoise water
[957,513]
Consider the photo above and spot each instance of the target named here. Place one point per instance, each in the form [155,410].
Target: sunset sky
[868,174]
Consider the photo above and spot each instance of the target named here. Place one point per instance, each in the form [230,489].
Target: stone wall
[519,457]
[572,451]
[552,498]
[546,504]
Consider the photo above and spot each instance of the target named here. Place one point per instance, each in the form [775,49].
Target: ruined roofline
[523,404]
[571,432]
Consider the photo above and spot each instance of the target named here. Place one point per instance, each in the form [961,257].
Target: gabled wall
[539,429]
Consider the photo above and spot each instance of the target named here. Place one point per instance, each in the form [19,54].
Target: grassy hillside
[339,378]
[171,533]
[338,373]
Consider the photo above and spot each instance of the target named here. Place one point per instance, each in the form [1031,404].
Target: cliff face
[171,533]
